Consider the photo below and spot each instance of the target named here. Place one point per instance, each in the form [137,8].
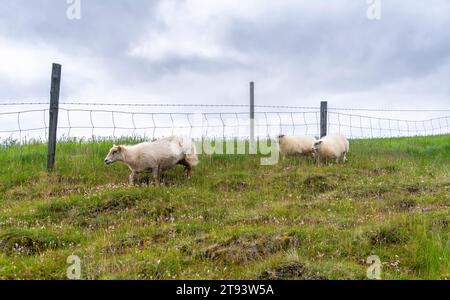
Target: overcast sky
[202,51]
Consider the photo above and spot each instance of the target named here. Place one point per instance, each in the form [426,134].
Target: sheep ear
[119,148]
[319,142]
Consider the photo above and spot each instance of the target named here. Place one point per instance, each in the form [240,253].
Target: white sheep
[155,157]
[295,145]
[334,146]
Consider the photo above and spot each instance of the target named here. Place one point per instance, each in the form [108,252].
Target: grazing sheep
[334,146]
[155,157]
[295,145]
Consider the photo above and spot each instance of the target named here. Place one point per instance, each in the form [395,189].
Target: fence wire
[74,122]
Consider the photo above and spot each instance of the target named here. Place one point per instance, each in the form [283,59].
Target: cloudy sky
[200,51]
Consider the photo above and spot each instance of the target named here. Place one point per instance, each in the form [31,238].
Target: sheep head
[280,137]
[115,154]
[316,146]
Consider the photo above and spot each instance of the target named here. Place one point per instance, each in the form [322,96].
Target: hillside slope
[234,219]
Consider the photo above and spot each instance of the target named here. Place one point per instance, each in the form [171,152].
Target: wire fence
[29,121]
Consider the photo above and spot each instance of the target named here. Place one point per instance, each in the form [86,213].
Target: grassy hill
[234,219]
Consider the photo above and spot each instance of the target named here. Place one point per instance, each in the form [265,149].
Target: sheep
[155,157]
[334,146]
[295,145]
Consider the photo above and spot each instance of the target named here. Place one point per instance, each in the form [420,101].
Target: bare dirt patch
[418,188]
[25,244]
[387,236]
[159,213]
[384,170]
[405,204]
[319,184]
[373,192]
[293,270]
[231,186]
[249,248]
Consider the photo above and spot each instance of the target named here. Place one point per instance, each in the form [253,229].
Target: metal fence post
[53,121]
[252,119]
[323,118]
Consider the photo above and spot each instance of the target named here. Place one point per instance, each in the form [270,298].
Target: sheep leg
[131,178]
[147,179]
[188,171]
[155,172]
[187,168]
[317,158]
[344,159]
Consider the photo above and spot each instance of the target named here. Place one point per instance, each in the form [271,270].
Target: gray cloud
[193,51]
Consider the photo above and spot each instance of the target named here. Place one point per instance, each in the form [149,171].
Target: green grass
[234,219]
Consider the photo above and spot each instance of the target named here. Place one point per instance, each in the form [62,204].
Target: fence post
[53,121]
[323,118]
[252,119]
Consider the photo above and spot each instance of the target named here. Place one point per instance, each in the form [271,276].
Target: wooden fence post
[53,121]
[252,119]
[323,118]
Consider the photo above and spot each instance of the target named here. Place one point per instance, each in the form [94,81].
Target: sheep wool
[334,146]
[295,145]
[155,157]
